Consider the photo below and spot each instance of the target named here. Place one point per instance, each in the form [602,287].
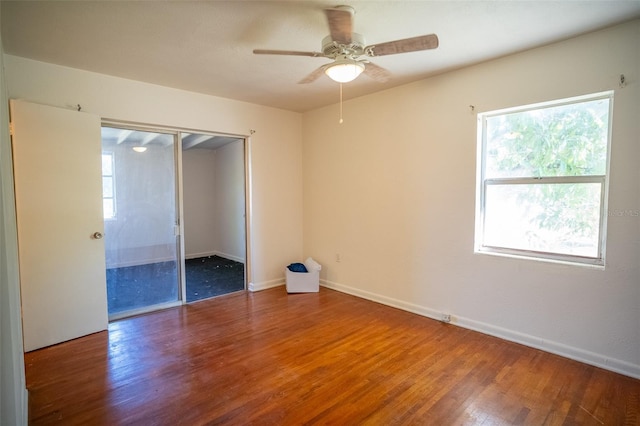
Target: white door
[57,168]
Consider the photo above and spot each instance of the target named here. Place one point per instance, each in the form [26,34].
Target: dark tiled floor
[213,276]
[146,285]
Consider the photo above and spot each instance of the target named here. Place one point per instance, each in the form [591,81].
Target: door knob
[97,235]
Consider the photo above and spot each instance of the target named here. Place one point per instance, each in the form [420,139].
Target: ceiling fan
[347,48]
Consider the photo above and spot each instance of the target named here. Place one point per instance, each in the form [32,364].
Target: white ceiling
[206,46]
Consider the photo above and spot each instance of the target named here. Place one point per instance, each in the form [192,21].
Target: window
[108,186]
[542,180]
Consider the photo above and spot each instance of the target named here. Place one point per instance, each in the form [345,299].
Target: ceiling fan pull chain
[341,120]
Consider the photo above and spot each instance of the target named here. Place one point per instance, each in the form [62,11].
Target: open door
[58,182]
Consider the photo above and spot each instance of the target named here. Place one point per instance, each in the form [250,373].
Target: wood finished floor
[269,358]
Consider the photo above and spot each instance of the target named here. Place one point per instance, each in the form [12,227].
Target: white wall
[143,230]
[13,391]
[392,190]
[276,192]
[230,201]
[214,201]
[199,202]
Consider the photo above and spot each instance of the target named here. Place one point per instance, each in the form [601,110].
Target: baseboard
[577,354]
[389,301]
[214,253]
[139,262]
[266,284]
[230,256]
[124,257]
[199,255]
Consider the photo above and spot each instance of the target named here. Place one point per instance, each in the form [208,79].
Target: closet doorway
[174,205]
[213,212]
[140,208]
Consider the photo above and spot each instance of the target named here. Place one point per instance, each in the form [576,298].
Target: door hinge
[11,128]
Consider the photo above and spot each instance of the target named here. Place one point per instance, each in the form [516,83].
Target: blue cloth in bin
[297,267]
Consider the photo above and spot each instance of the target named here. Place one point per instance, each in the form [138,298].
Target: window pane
[107,208]
[107,186]
[554,218]
[107,164]
[565,140]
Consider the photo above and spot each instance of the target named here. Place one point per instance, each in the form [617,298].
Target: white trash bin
[304,282]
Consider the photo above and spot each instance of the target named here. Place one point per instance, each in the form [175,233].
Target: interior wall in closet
[213,178]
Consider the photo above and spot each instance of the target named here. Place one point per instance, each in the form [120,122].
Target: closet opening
[174,207]
[214,219]
[140,211]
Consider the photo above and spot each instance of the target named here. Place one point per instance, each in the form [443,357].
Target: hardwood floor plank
[318,358]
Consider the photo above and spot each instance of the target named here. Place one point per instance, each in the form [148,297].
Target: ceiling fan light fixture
[344,70]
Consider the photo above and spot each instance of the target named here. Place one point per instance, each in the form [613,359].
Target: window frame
[112,176]
[483,183]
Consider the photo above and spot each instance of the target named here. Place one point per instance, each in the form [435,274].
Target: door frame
[178,132]
[179,261]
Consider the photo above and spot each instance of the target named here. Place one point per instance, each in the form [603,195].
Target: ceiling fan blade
[315,74]
[287,52]
[376,72]
[340,24]
[412,44]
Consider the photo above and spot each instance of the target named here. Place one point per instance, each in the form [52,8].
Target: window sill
[597,264]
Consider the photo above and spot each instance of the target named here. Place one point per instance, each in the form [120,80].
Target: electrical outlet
[446,317]
[338,257]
